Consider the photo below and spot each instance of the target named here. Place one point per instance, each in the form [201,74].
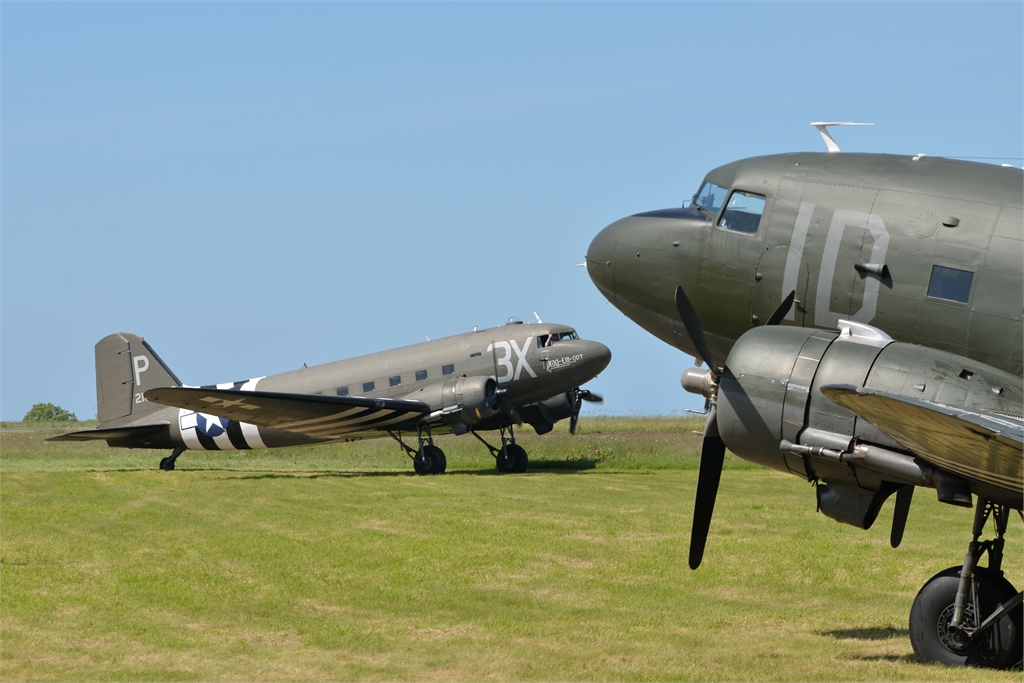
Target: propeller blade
[576,396]
[590,396]
[712,455]
[696,332]
[783,310]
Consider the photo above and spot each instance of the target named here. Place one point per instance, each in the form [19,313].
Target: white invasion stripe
[223,441]
[187,426]
[335,416]
[796,253]
[251,434]
[251,384]
[346,427]
[226,385]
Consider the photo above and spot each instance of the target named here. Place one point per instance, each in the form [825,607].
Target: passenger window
[742,213]
[951,284]
[710,197]
[395,381]
[343,391]
[367,387]
[421,375]
[448,369]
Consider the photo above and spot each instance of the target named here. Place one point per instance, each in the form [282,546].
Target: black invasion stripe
[235,434]
[207,441]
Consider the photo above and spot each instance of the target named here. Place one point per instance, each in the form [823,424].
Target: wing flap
[310,414]
[984,446]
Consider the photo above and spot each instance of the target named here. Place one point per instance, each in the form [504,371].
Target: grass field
[337,563]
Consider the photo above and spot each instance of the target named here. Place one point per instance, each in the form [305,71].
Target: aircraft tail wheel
[999,647]
[167,464]
[430,460]
[512,458]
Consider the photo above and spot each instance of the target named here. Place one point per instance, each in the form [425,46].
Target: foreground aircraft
[489,379]
[869,311]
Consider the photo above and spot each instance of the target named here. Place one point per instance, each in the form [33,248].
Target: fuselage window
[367,386]
[395,381]
[742,213]
[448,369]
[951,284]
[343,391]
[710,197]
[421,375]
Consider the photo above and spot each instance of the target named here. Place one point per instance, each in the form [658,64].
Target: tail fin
[125,367]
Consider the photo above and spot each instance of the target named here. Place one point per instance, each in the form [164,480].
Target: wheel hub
[956,639]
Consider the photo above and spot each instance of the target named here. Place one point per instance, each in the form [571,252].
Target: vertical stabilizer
[125,367]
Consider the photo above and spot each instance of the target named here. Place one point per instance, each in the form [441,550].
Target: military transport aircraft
[490,379]
[868,308]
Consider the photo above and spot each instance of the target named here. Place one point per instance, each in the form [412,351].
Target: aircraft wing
[310,414]
[984,446]
[111,433]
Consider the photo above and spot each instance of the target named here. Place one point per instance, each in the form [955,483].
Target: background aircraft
[778,265]
[490,379]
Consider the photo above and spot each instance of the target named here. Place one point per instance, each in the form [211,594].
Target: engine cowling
[769,396]
[463,400]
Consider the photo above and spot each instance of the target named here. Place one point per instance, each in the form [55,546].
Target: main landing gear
[428,459]
[511,457]
[167,464]
[971,615]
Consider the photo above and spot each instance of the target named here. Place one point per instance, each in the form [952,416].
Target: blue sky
[255,186]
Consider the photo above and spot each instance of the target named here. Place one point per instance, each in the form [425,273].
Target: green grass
[337,563]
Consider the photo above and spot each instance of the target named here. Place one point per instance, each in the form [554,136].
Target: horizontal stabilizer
[111,433]
[310,414]
[983,446]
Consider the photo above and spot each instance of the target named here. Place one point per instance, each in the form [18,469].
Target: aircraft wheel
[167,464]
[998,648]
[430,460]
[506,458]
[512,458]
[522,461]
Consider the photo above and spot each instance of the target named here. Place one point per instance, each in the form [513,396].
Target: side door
[730,265]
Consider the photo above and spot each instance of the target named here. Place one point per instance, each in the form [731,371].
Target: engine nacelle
[461,401]
[769,396]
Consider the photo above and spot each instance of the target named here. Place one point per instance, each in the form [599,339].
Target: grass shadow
[876,633]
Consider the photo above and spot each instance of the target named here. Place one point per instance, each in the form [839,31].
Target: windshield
[710,197]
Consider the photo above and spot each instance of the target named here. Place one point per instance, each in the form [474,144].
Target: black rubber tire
[522,461]
[998,648]
[430,460]
[167,464]
[506,459]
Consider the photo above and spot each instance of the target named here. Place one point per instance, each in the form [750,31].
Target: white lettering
[505,361]
[141,365]
[521,355]
[823,316]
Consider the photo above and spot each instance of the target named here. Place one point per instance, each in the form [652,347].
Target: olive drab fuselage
[856,236]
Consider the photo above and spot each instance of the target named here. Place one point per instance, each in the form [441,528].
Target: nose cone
[598,357]
[600,257]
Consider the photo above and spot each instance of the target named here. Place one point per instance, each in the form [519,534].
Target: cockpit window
[743,212]
[545,340]
[710,197]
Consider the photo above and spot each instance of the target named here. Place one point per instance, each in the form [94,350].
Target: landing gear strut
[428,459]
[167,464]
[971,615]
[511,457]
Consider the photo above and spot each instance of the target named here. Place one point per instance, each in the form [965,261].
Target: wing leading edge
[987,447]
[310,414]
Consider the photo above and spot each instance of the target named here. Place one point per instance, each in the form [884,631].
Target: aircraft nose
[600,356]
[600,259]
